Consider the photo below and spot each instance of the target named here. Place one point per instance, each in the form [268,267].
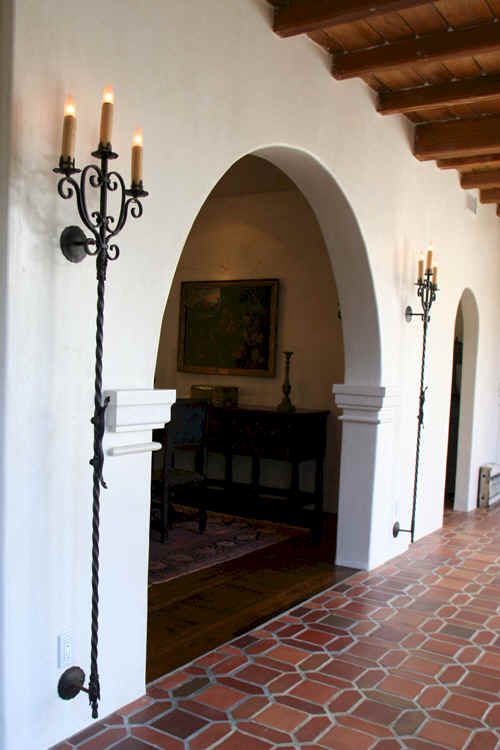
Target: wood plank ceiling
[436,63]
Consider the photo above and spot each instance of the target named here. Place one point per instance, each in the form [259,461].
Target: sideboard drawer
[260,434]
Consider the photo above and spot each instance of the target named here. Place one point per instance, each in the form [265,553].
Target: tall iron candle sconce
[426,291]
[75,246]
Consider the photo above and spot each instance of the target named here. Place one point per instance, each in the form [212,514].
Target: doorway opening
[461,481]
[454,419]
[262,469]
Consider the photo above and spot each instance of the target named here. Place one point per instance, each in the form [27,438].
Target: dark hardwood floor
[197,612]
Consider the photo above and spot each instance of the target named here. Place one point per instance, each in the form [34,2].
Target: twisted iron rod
[97,464]
[98,459]
[426,306]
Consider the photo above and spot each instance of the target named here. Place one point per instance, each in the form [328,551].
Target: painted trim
[126,450]
[138,410]
[365,404]
[357,565]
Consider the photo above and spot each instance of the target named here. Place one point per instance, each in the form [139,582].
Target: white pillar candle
[136,165]
[69,130]
[108,99]
[420,269]
[428,265]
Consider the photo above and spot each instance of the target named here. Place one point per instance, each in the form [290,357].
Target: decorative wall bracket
[76,245]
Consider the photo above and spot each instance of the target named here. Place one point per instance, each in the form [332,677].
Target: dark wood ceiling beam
[299,17]
[443,45]
[470,162]
[453,138]
[490,196]
[425,98]
[482,179]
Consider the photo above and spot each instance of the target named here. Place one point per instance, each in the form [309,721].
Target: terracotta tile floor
[407,656]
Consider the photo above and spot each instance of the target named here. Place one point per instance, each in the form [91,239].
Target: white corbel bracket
[136,410]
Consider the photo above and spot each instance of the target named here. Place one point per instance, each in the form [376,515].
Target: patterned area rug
[226,537]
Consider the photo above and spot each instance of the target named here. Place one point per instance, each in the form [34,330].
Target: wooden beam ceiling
[437,63]
[444,45]
[449,94]
[470,162]
[457,138]
[481,179]
[299,17]
[490,196]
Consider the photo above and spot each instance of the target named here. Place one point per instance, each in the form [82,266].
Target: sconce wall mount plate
[73,243]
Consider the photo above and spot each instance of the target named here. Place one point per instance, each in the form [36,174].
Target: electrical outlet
[64,651]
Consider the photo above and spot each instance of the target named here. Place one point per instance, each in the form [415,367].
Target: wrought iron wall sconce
[76,245]
[426,291]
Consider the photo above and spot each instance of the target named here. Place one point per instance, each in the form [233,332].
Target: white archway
[466,479]
[349,257]
[361,396]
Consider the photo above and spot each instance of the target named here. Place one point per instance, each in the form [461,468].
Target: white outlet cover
[64,651]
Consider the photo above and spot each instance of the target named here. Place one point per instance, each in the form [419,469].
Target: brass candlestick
[285,403]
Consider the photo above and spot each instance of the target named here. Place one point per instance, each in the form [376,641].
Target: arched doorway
[461,482]
[343,247]
[364,534]
[362,390]
[257,224]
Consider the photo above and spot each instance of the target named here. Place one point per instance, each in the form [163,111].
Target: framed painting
[228,327]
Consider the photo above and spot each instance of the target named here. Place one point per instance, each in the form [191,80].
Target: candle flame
[108,95]
[69,106]
[137,139]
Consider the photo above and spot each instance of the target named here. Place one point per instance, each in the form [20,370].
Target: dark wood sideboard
[264,433]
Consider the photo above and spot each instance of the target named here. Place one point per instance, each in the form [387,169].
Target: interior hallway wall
[6,36]
[257,224]
[209,82]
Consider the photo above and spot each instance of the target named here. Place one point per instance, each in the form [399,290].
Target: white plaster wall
[209,82]
[5,105]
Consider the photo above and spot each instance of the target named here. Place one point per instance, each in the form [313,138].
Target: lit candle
[69,130]
[429,258]
[420,269]
[435,275]
[137,141]
[108,99]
